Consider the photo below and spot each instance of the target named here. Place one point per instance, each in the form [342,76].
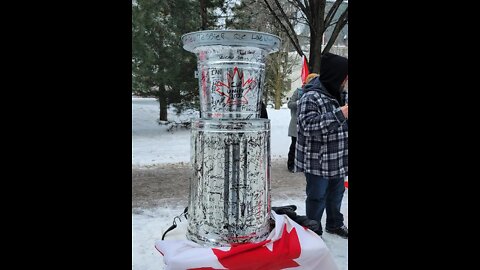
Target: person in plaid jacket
[322,143]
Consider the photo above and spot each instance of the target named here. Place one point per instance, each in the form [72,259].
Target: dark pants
[291,153]
[325,194]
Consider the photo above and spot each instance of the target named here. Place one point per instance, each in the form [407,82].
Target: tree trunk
[316,34]
[203,14]
[162,100]
[315,53]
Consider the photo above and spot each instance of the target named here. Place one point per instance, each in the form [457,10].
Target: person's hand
[345,110]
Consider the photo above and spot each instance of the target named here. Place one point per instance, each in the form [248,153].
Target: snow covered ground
[152,144]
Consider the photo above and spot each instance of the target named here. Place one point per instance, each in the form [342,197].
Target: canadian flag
[305,71]
[289,245]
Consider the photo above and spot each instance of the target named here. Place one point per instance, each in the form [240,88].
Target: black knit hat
[333,71]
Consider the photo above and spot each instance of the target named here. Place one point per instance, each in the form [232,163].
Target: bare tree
[313,13]
[254,15]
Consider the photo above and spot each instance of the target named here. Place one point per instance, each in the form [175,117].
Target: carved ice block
[229,199]
[230,188]
[231,70]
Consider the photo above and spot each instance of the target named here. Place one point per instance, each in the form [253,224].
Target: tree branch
[331,13]
[296,45]
[290,26]
[303,8]
[342,21]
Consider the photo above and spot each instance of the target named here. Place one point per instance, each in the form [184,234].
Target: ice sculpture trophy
[229,199]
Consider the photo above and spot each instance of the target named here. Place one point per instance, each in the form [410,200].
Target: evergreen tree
[161,68]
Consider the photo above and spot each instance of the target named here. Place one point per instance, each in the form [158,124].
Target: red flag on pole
[304,69]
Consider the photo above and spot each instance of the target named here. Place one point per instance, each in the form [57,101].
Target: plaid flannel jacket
[322,139]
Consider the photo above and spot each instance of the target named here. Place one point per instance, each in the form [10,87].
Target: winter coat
[322,138]
[292,105]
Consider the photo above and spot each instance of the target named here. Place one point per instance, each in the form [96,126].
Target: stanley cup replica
[229,199]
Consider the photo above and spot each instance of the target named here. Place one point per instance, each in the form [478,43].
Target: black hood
[333,71]
[315,85]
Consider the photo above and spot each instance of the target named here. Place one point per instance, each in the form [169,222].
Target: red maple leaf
[245,85]
[256,256]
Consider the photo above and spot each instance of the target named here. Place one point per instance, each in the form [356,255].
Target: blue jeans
[324,194]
